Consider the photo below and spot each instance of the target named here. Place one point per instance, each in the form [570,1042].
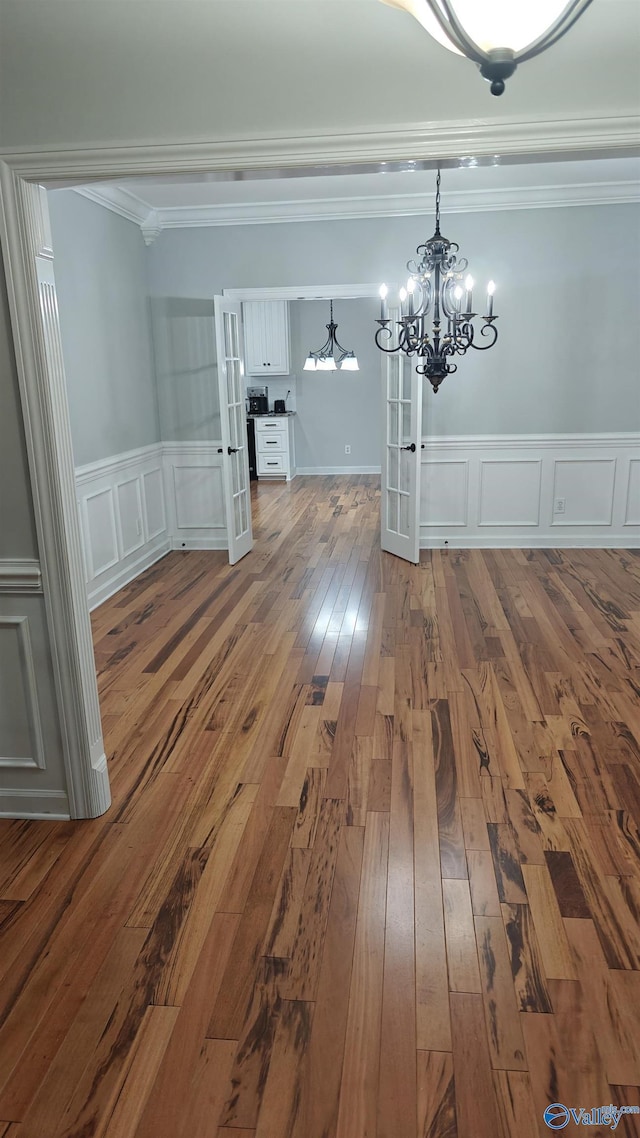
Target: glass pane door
[235,461]
[402,418]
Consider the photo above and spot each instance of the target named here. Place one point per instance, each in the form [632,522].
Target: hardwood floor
[373,863]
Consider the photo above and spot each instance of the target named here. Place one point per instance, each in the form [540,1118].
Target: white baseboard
[320,470]
[536,541]
[200,543]
[49,805]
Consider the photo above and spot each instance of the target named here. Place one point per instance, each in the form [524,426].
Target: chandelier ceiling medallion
[496,34]
[436,312]
[324,359]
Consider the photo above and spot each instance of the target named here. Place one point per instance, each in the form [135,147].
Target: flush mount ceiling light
[495,34]
[325,357]
[436,312]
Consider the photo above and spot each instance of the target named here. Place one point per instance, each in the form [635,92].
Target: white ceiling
[272,196]
[179,192]
[110,73]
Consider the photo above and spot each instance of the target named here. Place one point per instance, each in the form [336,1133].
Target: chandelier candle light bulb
[491,288]
[411,284]
[383,302]
[468,284]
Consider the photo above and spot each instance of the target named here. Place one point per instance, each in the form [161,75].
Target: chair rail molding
[20,576]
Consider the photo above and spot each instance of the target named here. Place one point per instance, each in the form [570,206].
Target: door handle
[411,447]
[234,450]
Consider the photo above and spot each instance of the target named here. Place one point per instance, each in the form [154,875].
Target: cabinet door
[254,345]
[266,324]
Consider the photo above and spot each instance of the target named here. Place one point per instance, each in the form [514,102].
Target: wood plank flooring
[372,868]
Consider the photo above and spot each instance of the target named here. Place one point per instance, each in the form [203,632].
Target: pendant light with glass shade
[496,34]
[324,359]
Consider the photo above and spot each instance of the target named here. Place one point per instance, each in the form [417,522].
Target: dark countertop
[270,415]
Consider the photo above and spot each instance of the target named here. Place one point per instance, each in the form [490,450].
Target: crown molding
[613,136]
[118,200]
[153,221]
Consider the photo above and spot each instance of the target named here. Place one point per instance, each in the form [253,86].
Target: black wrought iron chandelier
[324,359]
[496,35]
[436,312]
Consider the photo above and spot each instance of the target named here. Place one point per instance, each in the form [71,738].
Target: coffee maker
[258,400]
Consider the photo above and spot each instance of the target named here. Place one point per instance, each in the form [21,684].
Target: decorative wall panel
[632,503]
[531,490]
[444,492]
[21,741]
[509,492]
[129,515]
[586,487]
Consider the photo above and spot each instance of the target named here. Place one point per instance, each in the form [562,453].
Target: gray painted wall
[17,530]
[335,408]
[186,368]
[104,321]
[568,296]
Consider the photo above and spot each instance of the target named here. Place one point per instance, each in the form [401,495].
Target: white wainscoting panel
[130,516]
[632,499]
[135,507]
[21,740]
[195,498]
[199,501]
[511,486]
[443,492]
[587,486]
[122,517]
[509,492]
[153,503]
[100,526]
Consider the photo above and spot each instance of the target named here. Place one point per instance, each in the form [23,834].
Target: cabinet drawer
[271,463]
[277,441]
[268,426]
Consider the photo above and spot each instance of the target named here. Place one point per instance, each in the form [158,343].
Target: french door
[233,420]
[402,419]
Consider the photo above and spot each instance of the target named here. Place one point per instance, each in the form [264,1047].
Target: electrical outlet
[347,449]
[560,505]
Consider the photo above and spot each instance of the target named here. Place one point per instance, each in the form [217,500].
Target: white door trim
[607,136]
[34,317]
[306,292]
[41,379]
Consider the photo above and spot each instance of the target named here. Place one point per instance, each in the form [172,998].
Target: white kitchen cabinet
[266,337]
[275,456]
